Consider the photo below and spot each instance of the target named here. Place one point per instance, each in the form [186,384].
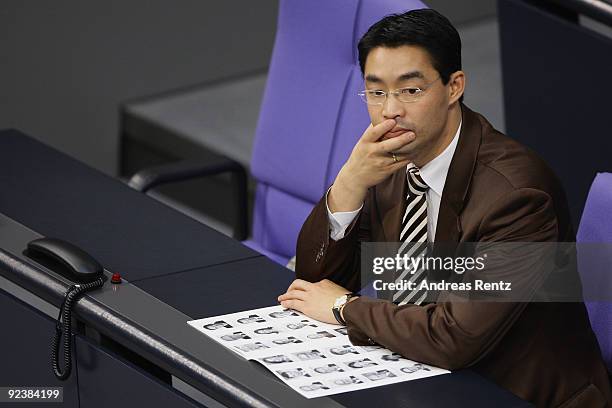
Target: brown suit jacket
[496,191]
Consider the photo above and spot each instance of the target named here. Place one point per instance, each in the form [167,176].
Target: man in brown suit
[479,186]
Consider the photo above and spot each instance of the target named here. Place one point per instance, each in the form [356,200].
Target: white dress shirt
[433,173]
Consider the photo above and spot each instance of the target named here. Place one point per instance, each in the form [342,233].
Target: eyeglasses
[407,95]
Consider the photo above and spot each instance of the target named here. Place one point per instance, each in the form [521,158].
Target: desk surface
[178,270]
[127,232]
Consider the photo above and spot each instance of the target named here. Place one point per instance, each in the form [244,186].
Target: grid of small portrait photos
[313,358]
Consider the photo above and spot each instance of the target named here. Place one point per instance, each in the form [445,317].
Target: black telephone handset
[78,266]
[65,258]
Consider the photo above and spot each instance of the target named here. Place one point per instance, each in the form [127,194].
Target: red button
[116,278]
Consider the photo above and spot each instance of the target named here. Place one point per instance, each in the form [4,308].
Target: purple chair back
[311,116]
[596,227]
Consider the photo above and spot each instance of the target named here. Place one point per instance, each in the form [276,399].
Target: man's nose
[392,108]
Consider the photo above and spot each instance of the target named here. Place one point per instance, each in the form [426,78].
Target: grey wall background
[67,65]
[464,11]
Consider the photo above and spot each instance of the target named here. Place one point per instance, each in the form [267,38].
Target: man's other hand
[315,300]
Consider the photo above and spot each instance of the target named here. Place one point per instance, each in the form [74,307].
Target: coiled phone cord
[63,326]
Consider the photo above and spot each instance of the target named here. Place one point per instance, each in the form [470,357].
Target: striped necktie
[413,238]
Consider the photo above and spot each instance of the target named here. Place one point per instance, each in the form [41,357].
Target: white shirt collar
[434,173]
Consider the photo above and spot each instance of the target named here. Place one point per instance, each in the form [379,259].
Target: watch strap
[336,310]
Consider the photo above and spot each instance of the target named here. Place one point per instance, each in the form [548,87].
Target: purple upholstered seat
[311,116]
[596,227]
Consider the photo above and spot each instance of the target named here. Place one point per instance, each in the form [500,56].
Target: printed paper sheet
[313,358]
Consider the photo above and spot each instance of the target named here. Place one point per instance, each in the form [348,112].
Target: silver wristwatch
[339,303]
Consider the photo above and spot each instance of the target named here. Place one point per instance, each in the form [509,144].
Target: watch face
[340,301]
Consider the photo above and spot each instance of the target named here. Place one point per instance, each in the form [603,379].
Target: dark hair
[425,28]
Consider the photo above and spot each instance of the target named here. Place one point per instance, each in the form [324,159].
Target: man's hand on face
[371,162]
[313,299]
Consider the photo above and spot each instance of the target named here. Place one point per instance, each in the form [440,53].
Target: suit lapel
[459,178]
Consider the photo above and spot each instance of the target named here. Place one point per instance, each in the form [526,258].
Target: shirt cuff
[339,221]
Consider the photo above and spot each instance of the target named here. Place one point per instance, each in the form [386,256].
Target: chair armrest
[151,177]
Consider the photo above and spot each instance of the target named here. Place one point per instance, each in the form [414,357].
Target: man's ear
[456,84]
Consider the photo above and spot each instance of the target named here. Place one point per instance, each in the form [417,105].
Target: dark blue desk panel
[162,252]
[123,384]
[26,353]
[125,230]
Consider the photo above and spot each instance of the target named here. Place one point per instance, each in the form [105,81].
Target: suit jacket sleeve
[458,334]
[318,257]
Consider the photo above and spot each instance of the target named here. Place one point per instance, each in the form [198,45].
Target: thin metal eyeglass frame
[396,93]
